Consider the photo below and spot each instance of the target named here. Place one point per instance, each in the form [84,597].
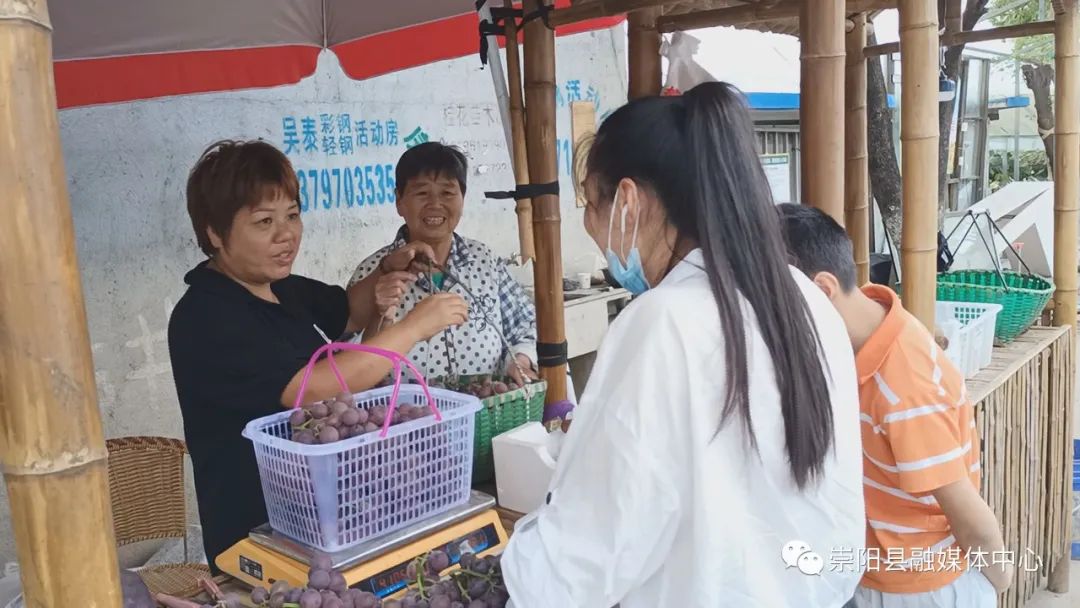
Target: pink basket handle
[398,360]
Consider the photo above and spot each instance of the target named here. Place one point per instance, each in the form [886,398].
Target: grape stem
[421,564]
[464,591]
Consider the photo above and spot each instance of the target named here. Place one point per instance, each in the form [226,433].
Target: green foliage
[1033,167]
[1032,49]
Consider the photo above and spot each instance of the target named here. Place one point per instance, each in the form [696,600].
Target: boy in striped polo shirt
[931,538]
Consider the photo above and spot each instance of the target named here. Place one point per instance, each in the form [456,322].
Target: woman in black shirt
[241,335]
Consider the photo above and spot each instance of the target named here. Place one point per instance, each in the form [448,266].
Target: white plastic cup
[584,280]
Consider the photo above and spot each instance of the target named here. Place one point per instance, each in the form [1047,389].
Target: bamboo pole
[919,52]
[595,9]
[1067,165]
[543,169]
[1066,200]
[954,18]
[965,37]
[643,54]
[753,13]
[856,165]
[519,154]
[52,448]
[821,106]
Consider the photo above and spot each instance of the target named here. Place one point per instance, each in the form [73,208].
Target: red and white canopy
[120,50]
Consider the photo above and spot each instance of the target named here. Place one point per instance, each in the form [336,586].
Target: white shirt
[651,506]
[475,347]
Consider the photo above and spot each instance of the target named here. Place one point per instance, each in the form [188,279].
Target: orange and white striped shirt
[918,435]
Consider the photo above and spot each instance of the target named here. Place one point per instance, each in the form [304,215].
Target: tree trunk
[884,168]
[1038,79]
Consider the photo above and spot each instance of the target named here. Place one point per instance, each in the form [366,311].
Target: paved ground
[1045,599]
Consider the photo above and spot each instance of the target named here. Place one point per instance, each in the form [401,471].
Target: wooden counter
[1010,358]
[1024,402]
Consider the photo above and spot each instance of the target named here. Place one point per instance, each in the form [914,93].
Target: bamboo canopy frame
[754,13]
[53,451]
[964,37]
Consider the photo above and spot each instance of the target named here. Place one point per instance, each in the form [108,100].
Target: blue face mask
[630,275]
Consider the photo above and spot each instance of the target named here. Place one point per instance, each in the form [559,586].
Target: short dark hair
[432,159]
[816,243]
[231,175]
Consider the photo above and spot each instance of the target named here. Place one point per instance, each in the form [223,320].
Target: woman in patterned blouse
[430,187]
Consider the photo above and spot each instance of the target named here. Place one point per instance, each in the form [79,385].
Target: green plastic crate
[498,414]
[1022,302]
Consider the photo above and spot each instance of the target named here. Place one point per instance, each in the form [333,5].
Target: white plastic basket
[969,327]
[337,495]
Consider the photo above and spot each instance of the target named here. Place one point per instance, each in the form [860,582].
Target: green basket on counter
[1022,296]
[498,414]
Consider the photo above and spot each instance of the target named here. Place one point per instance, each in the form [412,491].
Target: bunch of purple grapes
[326,588]
[477,584]
[481,388]
[339,418]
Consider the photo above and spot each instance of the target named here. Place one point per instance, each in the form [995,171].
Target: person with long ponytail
[715,458]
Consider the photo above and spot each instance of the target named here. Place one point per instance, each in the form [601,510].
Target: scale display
[393,579]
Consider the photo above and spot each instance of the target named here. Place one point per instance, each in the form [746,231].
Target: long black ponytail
[698,153]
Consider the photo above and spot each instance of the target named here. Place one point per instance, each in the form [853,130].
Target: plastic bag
[132,588]
[684,73]
[134,591]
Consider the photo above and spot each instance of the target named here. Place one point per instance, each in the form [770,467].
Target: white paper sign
[778,172]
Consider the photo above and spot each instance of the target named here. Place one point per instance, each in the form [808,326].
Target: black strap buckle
[497,26]
[526,191]
[551,355]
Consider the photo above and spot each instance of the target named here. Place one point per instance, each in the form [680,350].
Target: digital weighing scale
[377,565]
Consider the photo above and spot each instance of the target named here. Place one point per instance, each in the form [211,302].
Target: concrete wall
[127,165]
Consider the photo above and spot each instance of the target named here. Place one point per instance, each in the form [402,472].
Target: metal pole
[498,79]
[1016,123]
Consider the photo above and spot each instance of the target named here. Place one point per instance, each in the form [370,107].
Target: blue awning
[1005,103]
[783,101]
[790,101]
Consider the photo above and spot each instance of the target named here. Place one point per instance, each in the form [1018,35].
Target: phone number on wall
[337,187]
